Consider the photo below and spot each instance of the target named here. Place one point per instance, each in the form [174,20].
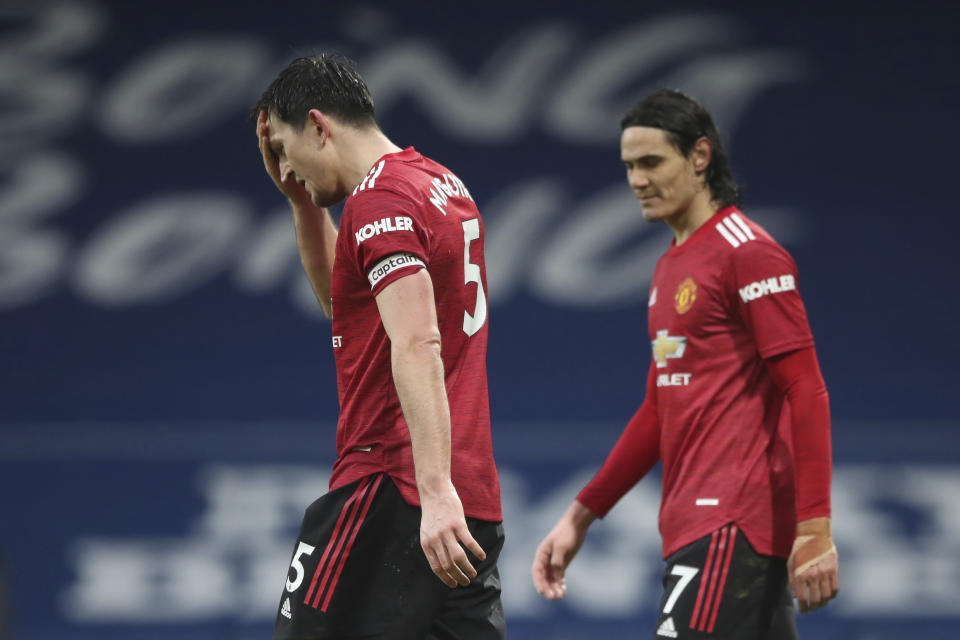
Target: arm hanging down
[408,312]
[632,457]
[813,566]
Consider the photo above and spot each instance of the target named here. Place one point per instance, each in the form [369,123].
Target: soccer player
[414,494]
[735,405]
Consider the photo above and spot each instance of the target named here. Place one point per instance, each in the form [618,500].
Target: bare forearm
[418,375]
[316,235]
[580,516]
[316,242]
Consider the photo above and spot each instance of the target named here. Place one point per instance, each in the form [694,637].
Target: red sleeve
[635,453]
[766,296]
[798,375]
[385,236]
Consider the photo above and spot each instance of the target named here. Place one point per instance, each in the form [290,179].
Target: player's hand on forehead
[289,187]
[263,125]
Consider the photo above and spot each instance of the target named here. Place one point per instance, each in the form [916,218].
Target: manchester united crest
[686,296]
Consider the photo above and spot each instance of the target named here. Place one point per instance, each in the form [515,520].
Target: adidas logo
[667,629]
[286,613]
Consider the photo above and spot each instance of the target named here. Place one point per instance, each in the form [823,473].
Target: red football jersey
[411,213]
[720,303]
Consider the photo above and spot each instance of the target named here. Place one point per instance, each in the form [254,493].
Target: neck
[685,222]
[359,149]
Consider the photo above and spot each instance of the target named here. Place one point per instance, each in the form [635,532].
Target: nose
[637,179]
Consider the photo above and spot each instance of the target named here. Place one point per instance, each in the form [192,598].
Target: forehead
[636,142]
[279,130]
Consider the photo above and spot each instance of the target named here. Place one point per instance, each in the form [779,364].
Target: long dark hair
[684,120]
[328,82]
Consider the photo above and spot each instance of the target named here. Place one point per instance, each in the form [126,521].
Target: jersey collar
[701,232]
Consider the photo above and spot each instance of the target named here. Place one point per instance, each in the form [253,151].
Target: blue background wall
[167,394]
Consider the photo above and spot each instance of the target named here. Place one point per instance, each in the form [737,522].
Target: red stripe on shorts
[353,536]
[704,579]
[344,512]
[360,494]
[723,577]
[711,590]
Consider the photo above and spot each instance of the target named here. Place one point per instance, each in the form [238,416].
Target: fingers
[547,573]
[466,539]
[539,571]
[437,566]
[542,572]
[270,161]
[449,561]
[462,568]
[817,583]
[263,132]
[558,568]
[263,136]
[813,587]
[813,571]
[824,587]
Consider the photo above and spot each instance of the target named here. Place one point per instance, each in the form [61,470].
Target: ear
[701,154]
[320,123]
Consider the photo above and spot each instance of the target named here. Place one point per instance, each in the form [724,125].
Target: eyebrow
[645,157]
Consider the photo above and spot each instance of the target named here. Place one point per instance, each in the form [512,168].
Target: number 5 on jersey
[297,566]
[471,273]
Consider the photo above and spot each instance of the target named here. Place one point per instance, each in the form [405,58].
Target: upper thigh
[358,568]
[720,587]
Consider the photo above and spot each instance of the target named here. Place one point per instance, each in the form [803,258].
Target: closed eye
[643,162]
[649,162]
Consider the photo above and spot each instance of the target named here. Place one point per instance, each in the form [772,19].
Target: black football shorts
[358,571]
[719,587]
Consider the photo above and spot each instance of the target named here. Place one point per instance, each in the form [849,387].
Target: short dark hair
[328,82]
[684,121]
